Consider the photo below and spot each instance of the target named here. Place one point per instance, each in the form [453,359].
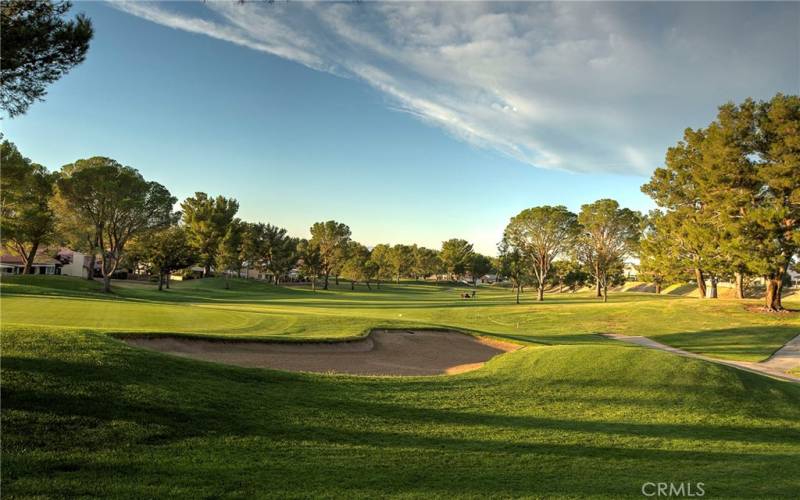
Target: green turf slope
[572,415]
[83,414]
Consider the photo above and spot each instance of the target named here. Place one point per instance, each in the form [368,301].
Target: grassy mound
[85,415]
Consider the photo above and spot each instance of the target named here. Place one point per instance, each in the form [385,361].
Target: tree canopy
[608,234]
[731,193]
[117,202]
[39,47]
[331,238]
[207,220]
[456,255]
[26,218]
[541,234]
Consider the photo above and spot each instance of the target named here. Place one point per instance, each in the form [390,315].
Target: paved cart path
[783,360]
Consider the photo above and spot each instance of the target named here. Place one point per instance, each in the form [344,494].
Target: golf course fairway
[571,415]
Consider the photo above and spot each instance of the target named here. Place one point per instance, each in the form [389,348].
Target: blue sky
[411,122]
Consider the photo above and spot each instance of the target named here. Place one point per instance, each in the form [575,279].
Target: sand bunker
[382,352]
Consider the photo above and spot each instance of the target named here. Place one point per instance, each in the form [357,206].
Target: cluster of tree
[111,213]
[729,198]
[549,245]
[331,252]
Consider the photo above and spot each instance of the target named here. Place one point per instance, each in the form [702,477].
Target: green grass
[573,415]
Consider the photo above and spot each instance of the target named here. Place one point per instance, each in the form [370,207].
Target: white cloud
[574,86]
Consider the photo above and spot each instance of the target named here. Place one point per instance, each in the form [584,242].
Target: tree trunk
[540,296]
[560,286]
[336,278]
[207,271]
[738,280]
[107,283]
[90,269]
[701,282]
[352,285]
[30,258]
[325,286]
[598,288]
[167,279]
[160,281]
[605,290]
[518,292]
[712,293]
[774,290]
[658,287]
[772,299]
[227,283]
[368,287]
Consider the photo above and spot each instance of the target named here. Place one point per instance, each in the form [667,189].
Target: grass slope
[84,414]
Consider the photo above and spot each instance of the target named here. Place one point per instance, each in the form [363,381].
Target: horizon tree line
[728,197]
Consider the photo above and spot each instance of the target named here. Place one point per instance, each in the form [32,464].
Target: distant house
[631,271]
[73,263]
[489,278]
[13,264]
[794,277]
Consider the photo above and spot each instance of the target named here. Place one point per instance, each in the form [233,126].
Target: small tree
[608,234]
[456,256]
[478,266]
[39,47]
[310,260]
[26,218]
[426,262]
[230,252]
[118,202]
[513,266]
[166,251]
[380,257]
[541,234]
[331,238]
[207,220]
[401,259]
[356,266]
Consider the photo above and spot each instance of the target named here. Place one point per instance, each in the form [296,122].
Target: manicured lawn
[573,415]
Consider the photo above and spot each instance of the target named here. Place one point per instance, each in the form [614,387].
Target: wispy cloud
[574,86]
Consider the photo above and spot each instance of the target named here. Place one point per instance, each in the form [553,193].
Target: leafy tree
[118,202]
[230,254]
[731,191]
[207,220]
[166,251]
[332,239]
[559,273]
[381,261]
[688,218]
[479,265]
[541,234]
[401,259]
[659,259]
[513,266]
[26,218]
[269,249]
[456,256]
[310,259]
[358,266]
[426,262]
[39,47]
[607,234]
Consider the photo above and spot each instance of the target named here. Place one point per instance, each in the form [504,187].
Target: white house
[73,263]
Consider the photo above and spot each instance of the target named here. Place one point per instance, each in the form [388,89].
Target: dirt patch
[382,352]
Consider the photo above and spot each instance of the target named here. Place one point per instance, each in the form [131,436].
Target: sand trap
[382,352]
